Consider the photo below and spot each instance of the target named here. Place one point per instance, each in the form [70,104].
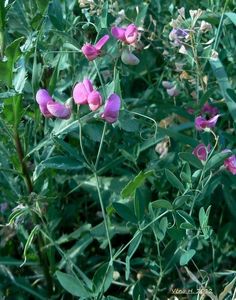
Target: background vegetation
[148,220]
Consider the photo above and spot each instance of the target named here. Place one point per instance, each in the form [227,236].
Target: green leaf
[29,242]
[55,14]
[138,291]
[173,180]
[57,163]
[132,248]
[191,159]
[186,217]
[139,205]
[103,17]
[223,81]
[161,228]
[103,278]
[124,212]
[179,201]
[131,187]
[232,17]
[186,257]
[54,77]
[72,285]
[162,204]
[216,160]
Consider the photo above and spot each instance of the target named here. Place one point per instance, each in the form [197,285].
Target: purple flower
[84,93]
[128,58]
[173,92]
[50,108]
[93,51]
[201,123]
[178,34]
[127,34]
[230,164]
[201,151]
[111,108]
[210,110]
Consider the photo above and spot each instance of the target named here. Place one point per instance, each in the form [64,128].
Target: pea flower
[111,108]
[84,93]
[93,51]
[50,108]
[127,34]
[210,110]
[230,163]
[128,58]
[201,123]
[171,89]
[201,151]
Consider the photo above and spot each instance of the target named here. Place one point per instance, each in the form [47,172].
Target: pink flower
[84,93]
[50,108]
[93,51]
[210,110]
[201,151]
[94,100]
[127,34]
[173,92]
[111,109]
[230,164]
[81,91]
[201,123]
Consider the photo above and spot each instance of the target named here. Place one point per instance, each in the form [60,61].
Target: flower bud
[111,109]
[129,58]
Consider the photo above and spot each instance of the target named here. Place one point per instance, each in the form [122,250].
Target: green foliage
[92,210]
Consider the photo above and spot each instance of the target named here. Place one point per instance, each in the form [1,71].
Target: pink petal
[88,85]
[131,34]
[90,52]
[59,110]
[102,42]
[111,108]
[94,100]
[80,93]
[44,110]
[200,152]
[119,33]
[230,164]
[42,97]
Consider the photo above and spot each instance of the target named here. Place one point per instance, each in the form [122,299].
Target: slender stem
[100,146]
[100,78]
[104,216]
[25,172]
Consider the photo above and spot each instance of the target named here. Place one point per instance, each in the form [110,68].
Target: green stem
[100,146]
[104,217]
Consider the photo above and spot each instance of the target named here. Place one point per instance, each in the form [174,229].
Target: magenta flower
[111,108]
[84,93]
[50,108]
[230,164]
[127,34]
[201,151]
[81,91]
[201,123]
[210,110]
[94,100]
[93,51]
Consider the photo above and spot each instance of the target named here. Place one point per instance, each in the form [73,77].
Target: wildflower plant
[118,163]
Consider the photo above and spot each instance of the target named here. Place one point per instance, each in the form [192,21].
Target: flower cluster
[128,35]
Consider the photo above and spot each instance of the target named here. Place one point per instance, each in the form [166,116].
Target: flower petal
[119,33]
[131,34]
[88,85]
[102,42]
[59,110]
[90,51]
[94,100]
[111,108]
[80,93]
[129,58]
[42,97]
